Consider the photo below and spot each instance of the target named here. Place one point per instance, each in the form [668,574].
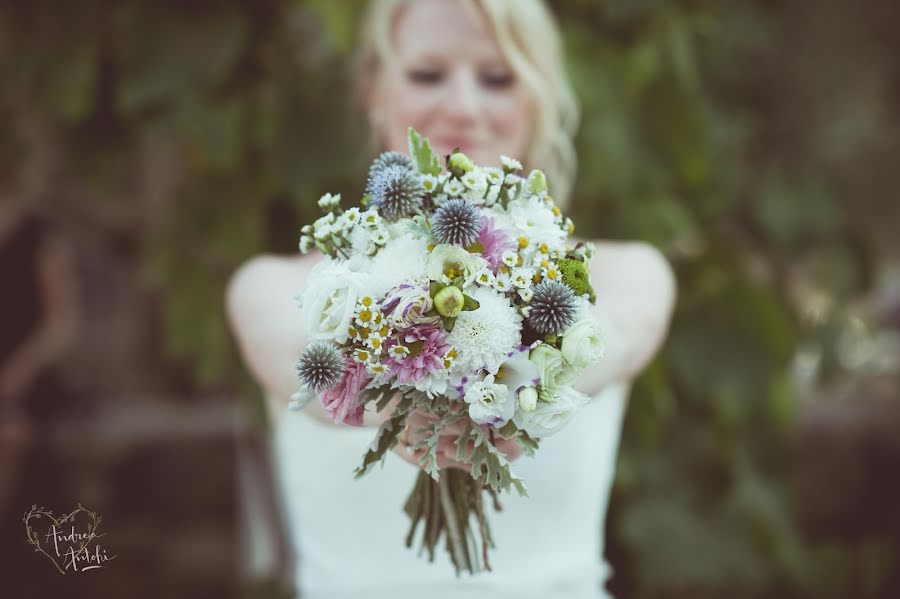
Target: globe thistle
[385,160]
[391,159]
[321,366]
[456,222]
[552,308]
[396,192]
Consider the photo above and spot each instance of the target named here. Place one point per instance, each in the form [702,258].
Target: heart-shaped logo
[65,539]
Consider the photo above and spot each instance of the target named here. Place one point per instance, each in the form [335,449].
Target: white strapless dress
[348,535]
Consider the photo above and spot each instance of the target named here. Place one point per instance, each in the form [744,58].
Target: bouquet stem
[445,506]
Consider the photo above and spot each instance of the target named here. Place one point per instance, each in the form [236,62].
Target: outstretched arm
[636,290]
[268,327]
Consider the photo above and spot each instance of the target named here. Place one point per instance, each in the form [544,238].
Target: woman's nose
[461,103]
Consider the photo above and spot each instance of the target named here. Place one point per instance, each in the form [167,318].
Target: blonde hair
[529,39]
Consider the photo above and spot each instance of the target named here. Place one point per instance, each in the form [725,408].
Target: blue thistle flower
[457,222]
[391,159]
[385,160]
[396,192]
[321,366]
[552,308]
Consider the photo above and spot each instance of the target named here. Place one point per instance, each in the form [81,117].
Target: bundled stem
[445,505]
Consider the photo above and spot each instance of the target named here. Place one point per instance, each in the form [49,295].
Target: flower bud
[528,399]
[537,182]
[460,164]
[449,301]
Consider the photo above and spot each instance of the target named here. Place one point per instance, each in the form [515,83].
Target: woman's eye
[425,76]
[498,80]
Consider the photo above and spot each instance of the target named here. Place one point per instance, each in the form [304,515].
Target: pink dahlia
[494,242]
[341,402]
[427,346]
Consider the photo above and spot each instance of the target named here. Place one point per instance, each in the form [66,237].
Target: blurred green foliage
[754,142]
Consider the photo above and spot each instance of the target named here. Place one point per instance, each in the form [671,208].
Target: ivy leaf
[420,150]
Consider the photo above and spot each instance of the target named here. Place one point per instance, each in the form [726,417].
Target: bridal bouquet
[453,292]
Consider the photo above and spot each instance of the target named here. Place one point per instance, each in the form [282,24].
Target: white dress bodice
[348,535]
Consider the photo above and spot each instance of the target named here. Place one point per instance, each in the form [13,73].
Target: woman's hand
[446,446]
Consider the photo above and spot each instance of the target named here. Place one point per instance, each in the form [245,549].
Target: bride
[485,76]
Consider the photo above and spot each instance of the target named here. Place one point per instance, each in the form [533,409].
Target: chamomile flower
[485,277]
[511,180]
[374,342]
[475,180]
[502,282]
[510,164]
[430,183]
[371,218]
[398,352]
[362,356]
[380,237]
[350,217]
[493,194]
[493,175]
[330,201]
[375,368]
[510,258]
[550,272]
[454,188]
[450,358]
[521,277]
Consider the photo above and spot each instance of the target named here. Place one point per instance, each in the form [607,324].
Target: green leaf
[420,150]
[435,287]
[470,303]
[508,430]
[386,437]
[448,323]
[528,443]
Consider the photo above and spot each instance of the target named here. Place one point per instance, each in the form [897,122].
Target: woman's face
[452,84]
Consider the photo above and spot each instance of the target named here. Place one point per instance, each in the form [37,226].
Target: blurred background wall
[153,146]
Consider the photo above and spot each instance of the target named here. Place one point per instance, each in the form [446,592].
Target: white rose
[329,299]
[548,418]
[582,344]
[489,402]
[551,367]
